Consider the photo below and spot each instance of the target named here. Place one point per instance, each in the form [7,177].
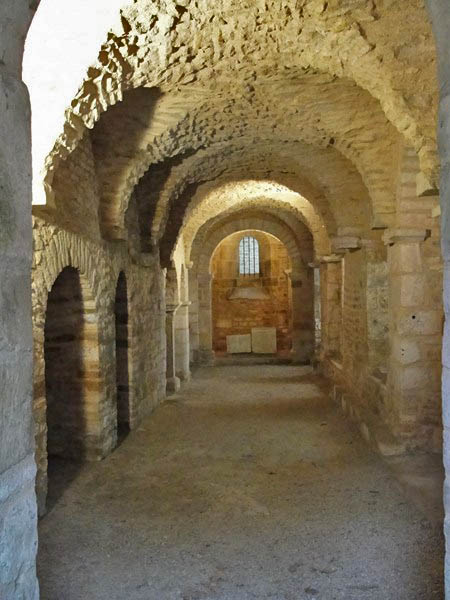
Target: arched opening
[122,357]
[71,376]
[254,297]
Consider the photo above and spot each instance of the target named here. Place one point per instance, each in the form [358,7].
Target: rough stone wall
[238,316]
[18,532]
[75,191]
[100,266]
[353,343]
[354,336]
[331,310]
[377,293]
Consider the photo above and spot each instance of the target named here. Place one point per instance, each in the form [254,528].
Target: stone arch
[210,203]
[63,250]
[202,256]
[343,134]
[72,374]
[265,209]
[189,183]
[200,284]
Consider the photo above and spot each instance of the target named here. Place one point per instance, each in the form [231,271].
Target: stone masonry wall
[100,265]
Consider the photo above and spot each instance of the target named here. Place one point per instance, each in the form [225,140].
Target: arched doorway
[72,380]
[122,349]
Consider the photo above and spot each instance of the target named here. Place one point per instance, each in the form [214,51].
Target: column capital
[405,236]
[172,308]
[314,265]
[342,243]
[330,258]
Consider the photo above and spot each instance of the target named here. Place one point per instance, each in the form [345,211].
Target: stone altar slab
[264,340]
[238,344]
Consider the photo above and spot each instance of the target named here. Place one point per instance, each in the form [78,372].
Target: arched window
[248,256]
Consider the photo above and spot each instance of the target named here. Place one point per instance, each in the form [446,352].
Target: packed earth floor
[248,484]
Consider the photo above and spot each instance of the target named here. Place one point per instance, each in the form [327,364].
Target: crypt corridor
[224,244]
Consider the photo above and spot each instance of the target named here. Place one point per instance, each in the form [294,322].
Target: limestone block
[239,344]
[420,322]
[414,376]
[405,258]
[264,340]
[405,351]
[410,290]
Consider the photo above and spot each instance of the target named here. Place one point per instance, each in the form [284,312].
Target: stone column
[415,337]
[331,306]
[377,293]
[172,381]
[206,354]
[182,353]
[302,318]
[193,316]
[18,510]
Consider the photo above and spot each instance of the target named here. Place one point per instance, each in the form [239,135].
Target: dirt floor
[246,485]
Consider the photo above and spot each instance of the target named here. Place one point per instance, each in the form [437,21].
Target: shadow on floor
[61,474]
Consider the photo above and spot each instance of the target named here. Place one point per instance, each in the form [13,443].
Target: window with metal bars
[248,256]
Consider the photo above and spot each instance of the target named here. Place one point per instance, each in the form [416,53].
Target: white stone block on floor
[238,344]
[264,340]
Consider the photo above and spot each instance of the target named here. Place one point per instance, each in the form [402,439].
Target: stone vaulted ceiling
[318,96]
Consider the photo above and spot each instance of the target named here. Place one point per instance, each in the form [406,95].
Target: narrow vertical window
[248,256]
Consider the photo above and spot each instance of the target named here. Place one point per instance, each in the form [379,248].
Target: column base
[185,376]
[205,358]
[172,385]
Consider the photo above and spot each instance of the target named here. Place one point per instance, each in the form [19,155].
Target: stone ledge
[342,243]
[405,236]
